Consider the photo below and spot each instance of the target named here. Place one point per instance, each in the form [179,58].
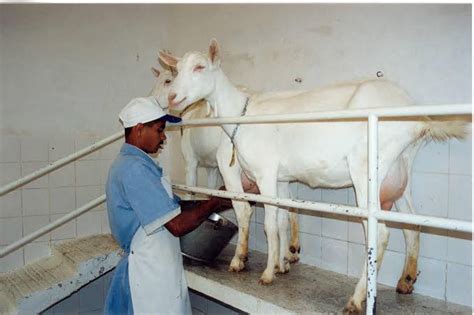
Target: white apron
[156,275]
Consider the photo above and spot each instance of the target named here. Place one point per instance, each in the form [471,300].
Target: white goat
[324,154]
[199,146]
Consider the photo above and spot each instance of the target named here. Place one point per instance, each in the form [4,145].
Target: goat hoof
[236,265]
[352,308]
[293,258]
[406,285]
[263,281]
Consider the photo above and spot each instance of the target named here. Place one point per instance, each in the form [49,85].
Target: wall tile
[434,157]
[433,245]
[88,173]
[60,147]
[30,167]
[35,201]
[91,297]
[104,220]
[35,251]
[432,278]
[355,232]
[334,255]
[260,238]
[11,261]
[430,194]
[66,231]
[34,223]
[214,308]
[89,224]
[356,259]
[10,230]
[391,269]
[459,284]
[110,152]
[459,250]
[63,200]
[334,228]
[309,222]
[351,197]
[460,156]
[69,306]
[86,194]
[259,213]
[104,170]
[84,140]
[307,193]
[9,149]
[63,177]
[335,196]
[10,205]
[9,172]
[310,249]
[198,302]
[195,311]
[396,242]
[34,149]
[460,197]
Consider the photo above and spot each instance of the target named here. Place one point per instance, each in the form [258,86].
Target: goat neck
[226,100]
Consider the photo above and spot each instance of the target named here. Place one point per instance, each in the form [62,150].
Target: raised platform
[305,289]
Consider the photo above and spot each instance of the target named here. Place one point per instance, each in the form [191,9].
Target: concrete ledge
[73,264]
[304,290]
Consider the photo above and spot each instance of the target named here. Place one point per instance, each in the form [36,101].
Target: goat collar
[232,160]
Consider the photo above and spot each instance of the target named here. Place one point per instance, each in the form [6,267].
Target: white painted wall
[67,70]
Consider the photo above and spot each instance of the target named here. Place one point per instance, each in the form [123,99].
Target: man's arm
[193,213]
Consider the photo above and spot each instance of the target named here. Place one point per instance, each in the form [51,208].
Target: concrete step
[72,264]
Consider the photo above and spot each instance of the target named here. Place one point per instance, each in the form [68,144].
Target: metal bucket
[207,241]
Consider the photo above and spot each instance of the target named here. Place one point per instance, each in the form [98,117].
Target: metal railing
[373,214]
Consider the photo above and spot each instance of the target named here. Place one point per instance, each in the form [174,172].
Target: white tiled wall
[49,198]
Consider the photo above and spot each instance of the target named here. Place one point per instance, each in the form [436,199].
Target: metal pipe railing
[373,205]
[422,220]
[432,110]
[59,163]
[53,225]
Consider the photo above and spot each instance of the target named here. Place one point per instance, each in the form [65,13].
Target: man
[146,219]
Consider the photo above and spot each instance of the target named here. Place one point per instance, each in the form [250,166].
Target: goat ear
[169,60]
[214,54]
[174,71]
[155,72]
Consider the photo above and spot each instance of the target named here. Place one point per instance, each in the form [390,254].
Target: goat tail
[439,131]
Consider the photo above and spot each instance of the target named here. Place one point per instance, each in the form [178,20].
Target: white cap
[143,110]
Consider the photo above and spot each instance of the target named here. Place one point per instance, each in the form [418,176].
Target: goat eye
[167,81]
[198,68]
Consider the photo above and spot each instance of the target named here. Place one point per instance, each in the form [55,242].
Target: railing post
[373,205]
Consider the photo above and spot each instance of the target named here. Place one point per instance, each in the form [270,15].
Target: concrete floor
[305,289]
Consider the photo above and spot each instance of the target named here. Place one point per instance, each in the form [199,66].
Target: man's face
[153,137]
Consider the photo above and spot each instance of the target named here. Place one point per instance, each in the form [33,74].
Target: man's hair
[148,124]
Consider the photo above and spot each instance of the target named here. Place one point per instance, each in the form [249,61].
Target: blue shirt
[135,196]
